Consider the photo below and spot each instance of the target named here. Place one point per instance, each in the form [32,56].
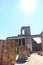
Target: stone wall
[8,52]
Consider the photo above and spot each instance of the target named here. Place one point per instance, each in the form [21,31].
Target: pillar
[42,41]
[29,43]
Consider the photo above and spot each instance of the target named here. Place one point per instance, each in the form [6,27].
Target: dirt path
[34,59]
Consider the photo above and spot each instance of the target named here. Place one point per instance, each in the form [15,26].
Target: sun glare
[28,5]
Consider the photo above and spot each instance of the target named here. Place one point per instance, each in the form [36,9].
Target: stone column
[42,41]
[29,43]
[21,42]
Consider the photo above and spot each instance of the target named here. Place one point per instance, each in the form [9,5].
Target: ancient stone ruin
[8,47]
[7,52]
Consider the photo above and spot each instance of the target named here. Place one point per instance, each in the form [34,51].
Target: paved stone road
[34,59]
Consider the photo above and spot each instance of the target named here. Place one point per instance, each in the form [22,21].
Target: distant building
[23,39]
[26,39]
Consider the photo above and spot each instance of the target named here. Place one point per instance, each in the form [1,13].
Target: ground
[34,59]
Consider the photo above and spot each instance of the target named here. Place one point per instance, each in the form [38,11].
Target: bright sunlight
[28,5]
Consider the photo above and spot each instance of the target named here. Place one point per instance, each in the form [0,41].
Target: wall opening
[23,32]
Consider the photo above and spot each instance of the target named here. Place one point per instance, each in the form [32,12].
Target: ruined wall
[36,46]
[26,30]
[1,43]
[7,52]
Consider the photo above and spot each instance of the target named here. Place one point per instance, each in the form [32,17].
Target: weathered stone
[22,52]
[8,52]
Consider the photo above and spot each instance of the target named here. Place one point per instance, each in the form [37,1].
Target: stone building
[23,39]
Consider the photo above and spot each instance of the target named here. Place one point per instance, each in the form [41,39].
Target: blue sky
[13,17]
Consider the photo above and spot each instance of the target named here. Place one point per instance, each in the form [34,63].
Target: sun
[28,5]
